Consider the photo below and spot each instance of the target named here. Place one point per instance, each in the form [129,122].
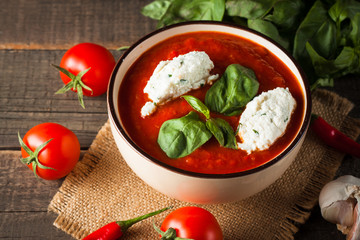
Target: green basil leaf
[268,29]
[324,40]
[190,10]
[343,9]
[156,9]
[355,32]
[180,137]
[338,12]
[232,91]
[348,61]
[322,82]
[250,9]
[222,131]
[197,105]
[286,13]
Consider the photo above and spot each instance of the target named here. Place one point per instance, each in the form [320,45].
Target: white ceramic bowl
[196,187]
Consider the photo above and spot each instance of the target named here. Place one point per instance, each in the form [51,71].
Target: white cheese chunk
[173,78]
[148,109]
[265,119]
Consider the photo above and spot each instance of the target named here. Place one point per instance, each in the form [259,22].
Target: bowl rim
[148,157]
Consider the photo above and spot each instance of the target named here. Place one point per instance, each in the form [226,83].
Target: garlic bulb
[338,201]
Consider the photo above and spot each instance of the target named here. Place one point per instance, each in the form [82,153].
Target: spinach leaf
[156,9]
[187,10]
[180,137]
[232,91]
[197,105]
[222,131]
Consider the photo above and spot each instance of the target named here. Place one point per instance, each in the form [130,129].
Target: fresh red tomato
[88,67]
[194,223]
[57,158]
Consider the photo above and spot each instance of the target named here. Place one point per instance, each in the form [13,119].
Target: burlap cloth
[102,188]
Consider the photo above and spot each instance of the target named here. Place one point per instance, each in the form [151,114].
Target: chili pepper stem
[115,230]
[124,225]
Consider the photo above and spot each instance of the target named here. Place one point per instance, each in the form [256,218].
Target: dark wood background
[36,33]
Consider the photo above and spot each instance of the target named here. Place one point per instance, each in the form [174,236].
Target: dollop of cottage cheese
[173,78]
[265,119]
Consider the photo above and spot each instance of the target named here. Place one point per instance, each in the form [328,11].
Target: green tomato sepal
[75,83]
[170,234]
[33,155]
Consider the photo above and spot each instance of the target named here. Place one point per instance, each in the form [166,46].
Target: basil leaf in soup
[180,137]
[232,91]
[197,105]
[223,132]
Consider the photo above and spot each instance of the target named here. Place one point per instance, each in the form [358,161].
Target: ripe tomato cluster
[50,149]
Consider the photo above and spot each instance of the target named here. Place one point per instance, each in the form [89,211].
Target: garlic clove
[338,201]
[340,212]
[340,189]
[354,233]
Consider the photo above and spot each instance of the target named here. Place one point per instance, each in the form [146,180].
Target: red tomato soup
[223,50]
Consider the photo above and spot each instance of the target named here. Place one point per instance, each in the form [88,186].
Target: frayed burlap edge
[75,179]
[326,169]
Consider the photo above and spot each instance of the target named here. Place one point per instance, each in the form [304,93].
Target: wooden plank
[84,125]
[30,226]
[28,84]
[20,190]
[62,24]
[27,97]
[24,201]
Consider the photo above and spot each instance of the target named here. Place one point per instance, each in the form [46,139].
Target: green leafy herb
[232,91]
[197,105]
[156,9]
[269,29]
[170,12]
[320,34]
[180,137]
[220,128]
[256,132]
[222,131]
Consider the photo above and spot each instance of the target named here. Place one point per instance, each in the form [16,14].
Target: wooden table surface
[36,33]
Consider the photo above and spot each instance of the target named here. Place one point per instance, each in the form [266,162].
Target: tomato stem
[123,48]
[33,157]
[75,83]
[170,234]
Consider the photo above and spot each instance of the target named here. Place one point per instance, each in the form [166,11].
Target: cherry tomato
[194,223]
[86,68]
[57,158]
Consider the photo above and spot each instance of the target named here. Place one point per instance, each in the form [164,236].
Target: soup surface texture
[223,50]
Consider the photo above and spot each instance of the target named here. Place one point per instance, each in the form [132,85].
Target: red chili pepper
[333,137]
[115,230]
